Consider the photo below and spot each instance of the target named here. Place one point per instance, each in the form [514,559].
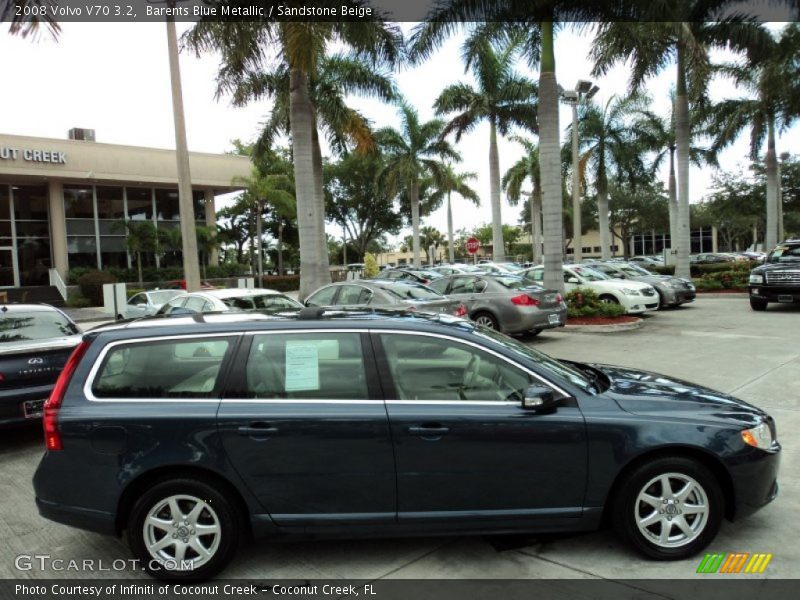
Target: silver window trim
[87,387]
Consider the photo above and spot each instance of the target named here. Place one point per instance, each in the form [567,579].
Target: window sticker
[302,367]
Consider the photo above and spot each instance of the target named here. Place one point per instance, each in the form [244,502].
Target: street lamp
[584,90]
[191,264]
[781,233]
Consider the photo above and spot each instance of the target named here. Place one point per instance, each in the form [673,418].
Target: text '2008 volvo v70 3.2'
[190,433]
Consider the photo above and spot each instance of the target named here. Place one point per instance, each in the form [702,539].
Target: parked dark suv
[189,433]
[778,279]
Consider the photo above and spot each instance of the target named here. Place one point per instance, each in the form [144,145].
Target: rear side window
[186,368]
[313,366]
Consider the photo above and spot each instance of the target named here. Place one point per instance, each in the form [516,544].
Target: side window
[195,303]
[308,366]
[463,285]
[567,276]
[436,369]
[440,285]
[480,286]
[162,369]
[350,295]
[138,299]
[537,275]
[323,297]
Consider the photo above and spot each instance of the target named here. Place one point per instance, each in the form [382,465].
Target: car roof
[10,308]
[237,292]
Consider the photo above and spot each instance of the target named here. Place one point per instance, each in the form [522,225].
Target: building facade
[63,203]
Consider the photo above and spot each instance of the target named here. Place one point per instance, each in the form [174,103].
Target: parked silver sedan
[379,293]
[507,303]
[672,291]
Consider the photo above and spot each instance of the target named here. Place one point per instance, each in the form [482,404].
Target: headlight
[758,437]
[630,292]
[756,278]
[675,284]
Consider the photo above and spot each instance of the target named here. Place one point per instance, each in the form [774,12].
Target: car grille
[648,292]
[783,277]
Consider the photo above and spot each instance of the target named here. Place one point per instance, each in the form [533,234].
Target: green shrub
[91,285]
[226,270]
[584,302]
[281,283]
[370,266]
[664,270]
[76,273]
[131,292]
[77,301]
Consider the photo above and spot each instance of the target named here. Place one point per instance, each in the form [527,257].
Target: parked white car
[633,296]
[229,300]
[147,303]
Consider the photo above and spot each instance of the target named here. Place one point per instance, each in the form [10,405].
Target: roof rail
[311,313]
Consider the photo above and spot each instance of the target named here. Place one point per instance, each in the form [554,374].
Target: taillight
[525,300]
[559,298]
[460,311]
[426,281]
[52,437]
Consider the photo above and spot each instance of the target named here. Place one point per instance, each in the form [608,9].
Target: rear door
[306,428]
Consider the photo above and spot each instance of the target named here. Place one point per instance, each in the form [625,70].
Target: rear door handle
[257,430]
[428,431]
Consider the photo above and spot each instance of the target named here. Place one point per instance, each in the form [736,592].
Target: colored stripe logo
[732,563]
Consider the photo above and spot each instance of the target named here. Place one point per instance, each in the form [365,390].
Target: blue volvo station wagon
[189,434]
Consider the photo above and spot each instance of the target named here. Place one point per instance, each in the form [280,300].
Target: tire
[487,320]
[758,304]
[608,299]
[533,332]
[701,526]
[216,510]
[120,317]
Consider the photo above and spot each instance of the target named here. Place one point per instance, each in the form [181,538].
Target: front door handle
[257,429]
[425,431]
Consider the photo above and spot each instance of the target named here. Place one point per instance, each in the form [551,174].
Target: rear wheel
[184,530]
[669,508]
[758,304]
[486,319]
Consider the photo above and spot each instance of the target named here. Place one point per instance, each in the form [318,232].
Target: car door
[137,306]
[305,426]
[467,290]
[465,448]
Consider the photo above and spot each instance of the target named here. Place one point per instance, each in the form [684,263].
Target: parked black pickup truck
[778,279]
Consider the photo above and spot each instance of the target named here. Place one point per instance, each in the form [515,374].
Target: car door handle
[428,431]
[257,429]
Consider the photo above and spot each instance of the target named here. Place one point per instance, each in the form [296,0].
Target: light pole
[191,263]
[781,233]
[583,90]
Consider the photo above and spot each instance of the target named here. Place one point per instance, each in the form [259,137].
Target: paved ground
[718,342]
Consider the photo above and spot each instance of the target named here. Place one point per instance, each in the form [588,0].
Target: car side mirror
[573,280]
[539,398]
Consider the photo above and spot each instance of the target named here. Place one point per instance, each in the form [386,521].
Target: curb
[722,295]
[638,324]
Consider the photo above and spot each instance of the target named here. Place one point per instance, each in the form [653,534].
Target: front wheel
[669,509]
[184,530]
[608,299]
[758,304]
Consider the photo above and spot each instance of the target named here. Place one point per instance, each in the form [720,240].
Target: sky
[114,78]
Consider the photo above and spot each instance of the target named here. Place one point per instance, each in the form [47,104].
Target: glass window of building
[109,203]
[113,252]
[140,203]
[78,202]
[5,205]
[167,205]
[30,202]
[82,251]
[199,201]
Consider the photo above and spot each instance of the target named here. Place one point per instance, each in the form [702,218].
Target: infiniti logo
[36,361]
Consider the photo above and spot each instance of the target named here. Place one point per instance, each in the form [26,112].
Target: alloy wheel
[182,530]
[671,510]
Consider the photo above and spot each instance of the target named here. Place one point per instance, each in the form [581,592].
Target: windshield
[511,282]
[35,325]
[634,271]
[164,296]
[784,254]
[411,291]
[554,367]
[267,302]
[589,274]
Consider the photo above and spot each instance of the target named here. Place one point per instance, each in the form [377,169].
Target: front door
[306,428]
[8,267]
[465,448]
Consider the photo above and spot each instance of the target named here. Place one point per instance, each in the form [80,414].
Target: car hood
[652,394]
[783,266]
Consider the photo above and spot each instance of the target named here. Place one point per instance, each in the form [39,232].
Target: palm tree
[29,24]
[447,182]
[430,236]
[140,236]
[274,189]
[604,137]
[246,47]
[502,97]
[412,154]
[527,167]
[682,31]
[207,242]
[766,74]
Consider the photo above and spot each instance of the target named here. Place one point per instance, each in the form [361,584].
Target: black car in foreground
[35,342]
[190,433]
[778,279]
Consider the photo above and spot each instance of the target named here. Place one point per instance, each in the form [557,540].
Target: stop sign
[472,245]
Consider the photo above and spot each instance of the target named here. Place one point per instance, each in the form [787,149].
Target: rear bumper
[530,318]
[11,402]
[82,518]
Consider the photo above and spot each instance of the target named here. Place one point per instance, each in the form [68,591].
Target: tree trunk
[673,200]
[259,245]
[682,134]
[602,208]
[322,239]
[498,246]
[536,223]
[550,164]
[415,222]
[314,271]
[771,163]
[280,247]
[139,267]
[576,190]
[451,251]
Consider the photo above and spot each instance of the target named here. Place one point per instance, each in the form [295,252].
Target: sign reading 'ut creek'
[29,155]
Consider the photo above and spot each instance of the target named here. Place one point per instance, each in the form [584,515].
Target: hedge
[160,274]
[91,285]
[699,270]
[281,283]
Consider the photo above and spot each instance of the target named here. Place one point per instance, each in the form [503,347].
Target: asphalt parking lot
[718,342]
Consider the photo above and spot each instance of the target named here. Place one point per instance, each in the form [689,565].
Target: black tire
[120,317]
[626,510]
[533,332]
[608,299]
[222,507]
[489,320]
[758,304]
[661,304]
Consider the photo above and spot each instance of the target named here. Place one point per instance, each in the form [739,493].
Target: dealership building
[63,201]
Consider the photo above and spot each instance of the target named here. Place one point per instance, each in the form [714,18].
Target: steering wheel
[471,372]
